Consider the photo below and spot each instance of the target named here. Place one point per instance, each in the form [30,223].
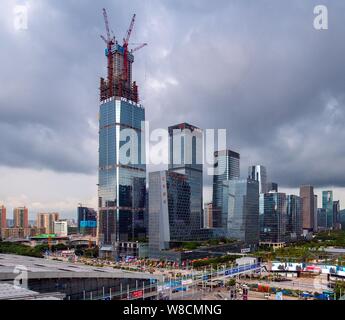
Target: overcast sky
[256,68]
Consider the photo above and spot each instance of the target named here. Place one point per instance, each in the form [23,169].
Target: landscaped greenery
[305,250]
[192,245]
[331,238]
[214,262]
[25,250]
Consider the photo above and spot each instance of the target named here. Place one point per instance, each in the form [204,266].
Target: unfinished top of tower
[119,64]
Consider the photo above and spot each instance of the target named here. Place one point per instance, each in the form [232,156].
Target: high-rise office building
[259,174]
[315,213]
[272,186]
[243,211]
[185,157]
[273,217]
[46,221]
[321,219]
[3,219]
[87,221]
[294,219]
[208,215]
[336,215]
[327,204]
[122,167]
[21,217]
[169,210]
[307,195]
[226,167]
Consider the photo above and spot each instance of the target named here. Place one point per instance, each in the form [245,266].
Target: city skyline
[51,150]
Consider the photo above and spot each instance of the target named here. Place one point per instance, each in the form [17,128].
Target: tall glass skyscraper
[122,173]
[185,157]
[227,167]
[259,173]
[294,227]
[243,211]
[327,204]
[273,218]
[336,214]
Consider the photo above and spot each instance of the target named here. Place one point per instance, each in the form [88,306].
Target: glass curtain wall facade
[169,209]
[336,214]
[243,211]
[327,204]
[227,167]
[259,173]
[294,217]
[185,157]
[122,172]
[273,217]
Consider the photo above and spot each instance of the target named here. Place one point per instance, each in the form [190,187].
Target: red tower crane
[120,78]
[110,41]
[125,48]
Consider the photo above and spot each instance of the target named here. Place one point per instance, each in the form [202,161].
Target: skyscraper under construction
[122,168]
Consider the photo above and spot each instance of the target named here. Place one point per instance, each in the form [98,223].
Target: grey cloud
[256,68]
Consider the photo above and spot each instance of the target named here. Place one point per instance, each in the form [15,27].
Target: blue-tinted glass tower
[273,217]
[243,211]
[122,168]
[327,204]
[227,167]
[294,227]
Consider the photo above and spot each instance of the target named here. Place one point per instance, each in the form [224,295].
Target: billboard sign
[88,224]
[279,295]
[341,271]
[287,266]
[137,294]
[327,269]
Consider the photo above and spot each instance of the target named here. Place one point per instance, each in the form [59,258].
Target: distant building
[259,174]
[208,215]
[226,167]
[21,217]
[243,211]
[3,220]
[273,217]
[307,195]
[327,204]
[294,219]
[336,215]
[315,214]
[87,221]
[321,219]
[46,221]
[272,186]
[16,233]
[61,228]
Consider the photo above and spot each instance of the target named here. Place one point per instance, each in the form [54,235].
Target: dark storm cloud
[256,68]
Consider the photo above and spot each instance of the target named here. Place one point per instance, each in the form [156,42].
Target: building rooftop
[46,268]
[11,292]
